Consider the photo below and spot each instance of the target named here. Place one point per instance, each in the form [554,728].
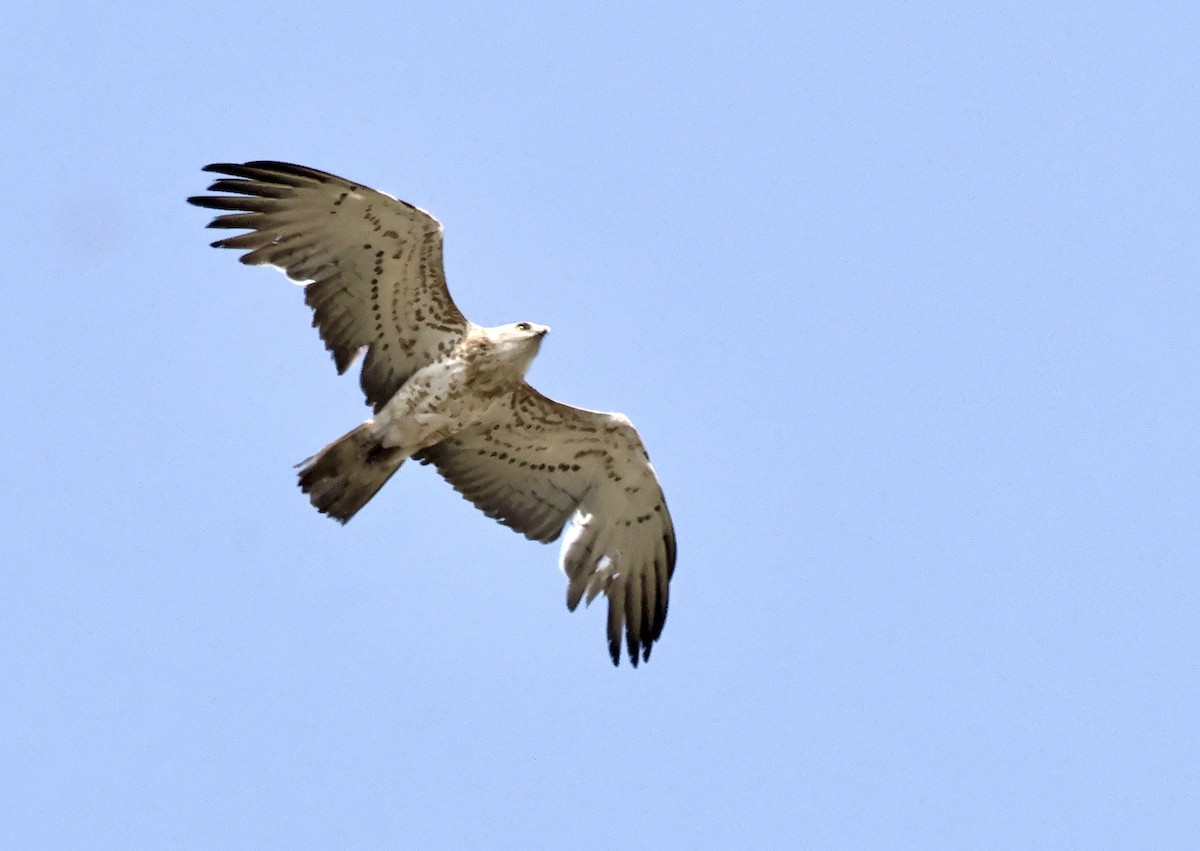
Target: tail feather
[342,477]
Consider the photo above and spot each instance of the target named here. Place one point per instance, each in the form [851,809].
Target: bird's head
[517,343]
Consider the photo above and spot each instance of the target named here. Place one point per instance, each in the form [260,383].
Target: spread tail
[342,477]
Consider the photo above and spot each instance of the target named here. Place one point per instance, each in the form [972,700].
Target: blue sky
[902,297]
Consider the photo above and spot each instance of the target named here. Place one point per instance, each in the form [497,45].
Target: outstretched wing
[539,464]
[373,264]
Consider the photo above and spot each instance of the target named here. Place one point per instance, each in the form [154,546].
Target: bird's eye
[523,326]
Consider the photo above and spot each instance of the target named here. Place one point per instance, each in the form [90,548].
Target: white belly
[433,404]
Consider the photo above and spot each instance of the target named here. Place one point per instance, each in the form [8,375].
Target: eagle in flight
[451,393]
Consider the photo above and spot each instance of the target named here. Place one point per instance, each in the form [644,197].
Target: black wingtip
[269,172]
[290,169]
[234,170]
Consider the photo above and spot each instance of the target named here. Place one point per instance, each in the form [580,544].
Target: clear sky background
[903,298]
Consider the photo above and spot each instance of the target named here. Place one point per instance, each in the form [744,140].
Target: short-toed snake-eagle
[451,393]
